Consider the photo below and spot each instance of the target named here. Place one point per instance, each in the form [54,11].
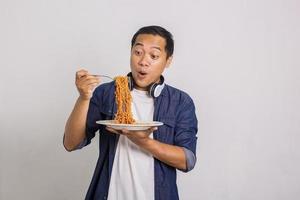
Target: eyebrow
[140,44]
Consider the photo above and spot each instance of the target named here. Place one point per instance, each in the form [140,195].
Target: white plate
[137,126]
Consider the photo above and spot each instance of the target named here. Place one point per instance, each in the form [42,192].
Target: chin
[142,84]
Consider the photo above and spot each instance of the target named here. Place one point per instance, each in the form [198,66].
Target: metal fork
[105,76]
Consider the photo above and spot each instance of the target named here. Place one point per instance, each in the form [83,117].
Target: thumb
[152,129]
[125,131]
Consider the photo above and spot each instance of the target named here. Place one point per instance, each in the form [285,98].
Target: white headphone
[154,89]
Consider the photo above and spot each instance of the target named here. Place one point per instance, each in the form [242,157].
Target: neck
[141,88]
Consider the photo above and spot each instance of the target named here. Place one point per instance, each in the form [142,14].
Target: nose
[144,61]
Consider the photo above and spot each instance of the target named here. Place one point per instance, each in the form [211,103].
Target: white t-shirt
[132,175]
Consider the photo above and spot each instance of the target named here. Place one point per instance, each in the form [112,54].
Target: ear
[169,60]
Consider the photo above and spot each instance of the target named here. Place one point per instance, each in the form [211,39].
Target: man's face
[148,60]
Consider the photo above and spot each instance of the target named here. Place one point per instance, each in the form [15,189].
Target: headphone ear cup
[153,90]
[130,82]
[156,88]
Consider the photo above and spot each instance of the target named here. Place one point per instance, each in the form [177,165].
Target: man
[137,164]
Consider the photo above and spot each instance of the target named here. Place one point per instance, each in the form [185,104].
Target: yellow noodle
[123,100]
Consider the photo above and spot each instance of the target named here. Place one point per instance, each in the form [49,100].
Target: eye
[154,57]
[138,52]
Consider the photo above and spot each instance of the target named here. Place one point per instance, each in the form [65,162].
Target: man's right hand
[86,83]
[76,124]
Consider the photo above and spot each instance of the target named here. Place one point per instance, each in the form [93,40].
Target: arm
[169,154]
[75,126]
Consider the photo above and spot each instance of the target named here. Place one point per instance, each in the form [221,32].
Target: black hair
[157,30]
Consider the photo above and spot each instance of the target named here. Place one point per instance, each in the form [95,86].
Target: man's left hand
[138,137]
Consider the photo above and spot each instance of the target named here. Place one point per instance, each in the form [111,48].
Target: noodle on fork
[123,100]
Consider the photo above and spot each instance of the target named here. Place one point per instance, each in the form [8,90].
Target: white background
[239,60]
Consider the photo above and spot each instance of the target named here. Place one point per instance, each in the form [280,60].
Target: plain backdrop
[238,60]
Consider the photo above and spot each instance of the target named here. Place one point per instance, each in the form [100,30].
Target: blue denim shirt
[173,107]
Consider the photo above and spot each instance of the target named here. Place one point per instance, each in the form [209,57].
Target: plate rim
[156,123]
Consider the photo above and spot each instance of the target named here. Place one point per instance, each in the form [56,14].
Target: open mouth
[142,74]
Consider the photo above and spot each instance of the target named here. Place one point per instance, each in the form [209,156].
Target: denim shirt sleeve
[186,130]
[190,159]
[93,115]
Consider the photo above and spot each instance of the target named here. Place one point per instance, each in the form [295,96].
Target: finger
[88,76]
[89,81]
[152,129]
[92,86]
[112,130]
[88,89]
[125,131]
[85,81]
[88,85]
[81,73]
